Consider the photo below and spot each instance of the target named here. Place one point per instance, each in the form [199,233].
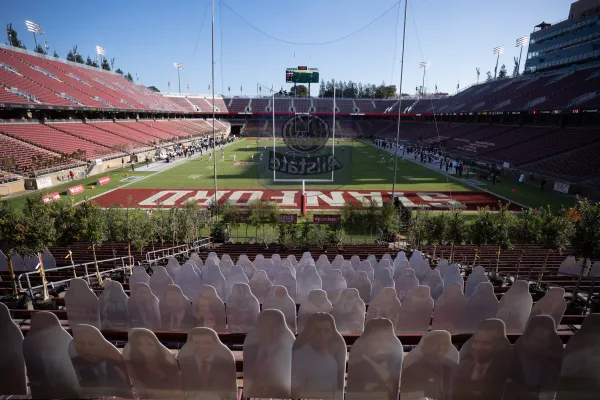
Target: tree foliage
[556,230]
[298,91]
[154,89]
[13,39]
[502,73]
[91,223]
[105,65]
[129,77]
[357,90]
[586,236]
[489,77]
[40,49]
[436,228]
[119,71]
[55,54]
[73,56]
[91,63]
[482,229]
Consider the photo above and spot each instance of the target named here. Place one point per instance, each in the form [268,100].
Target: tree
[435,232]
[418,227]
[119,71]
[555,234]
[263,213]
[456,228]
[482,229]
[12,239]
[73,56]
[586,237]
[91,63]
[105,65]
[65,220]
[40,49]
[503,221]
[40,233]
[12,37]
[129,77]
[389,220]
[142,229]
[55,55]
[230,216]
[322,88]
[299,91]
[489,77]
[92,228]
[526,229]
[502,73]
[154,89]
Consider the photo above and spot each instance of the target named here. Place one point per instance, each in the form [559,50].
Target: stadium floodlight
[424,65]
[178,66]
[101,51]
[34,28]
[497,50]
[521,42]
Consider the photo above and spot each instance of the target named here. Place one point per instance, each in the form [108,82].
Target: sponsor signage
[243,163]
[98,161]
[288,218]
[43,182]
[51,197]
[103,181]
[75,190]
[327,219]
[561,187]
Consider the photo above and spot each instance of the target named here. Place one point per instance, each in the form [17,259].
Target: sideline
[447,174]
[176,163]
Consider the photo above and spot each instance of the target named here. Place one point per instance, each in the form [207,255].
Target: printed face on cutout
[204,345]
[146,347]
[88,348]
[483,347]
[436,348]
[320,335]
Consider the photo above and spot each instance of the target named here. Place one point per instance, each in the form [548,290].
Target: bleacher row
[22,142]
[568,152]
[156,304]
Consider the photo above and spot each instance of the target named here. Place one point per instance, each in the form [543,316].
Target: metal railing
[162,254]
[30,289]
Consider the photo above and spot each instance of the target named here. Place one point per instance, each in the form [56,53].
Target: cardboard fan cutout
[207,367]
[538,355]
[363,285]
[477,276]
[100,367]
[242,309]
[248,267]
[317,302]
[580,371]
[46,352]
[82,304]
[197,260]
[284,277]
[482,305]
[453,275]
[319,360]
[138,275]
[428,369]
[213,277]
[260,285]
[334,284]
[368,268]
[385,305]
[225,267]
[485,362]
[450,310]
[12,363]
[415,313]
[553,304]
[268,357]
[209,310]
[307,280]
[383,279]
[348,272]
[173,268]
[175,310]
[113,306]
[406,284]
[349,312]
[278,299]
[515,306]
[143,309]
[235,275]
[435,283]
[375,363]
[189,281]
[159,281]
[152,367]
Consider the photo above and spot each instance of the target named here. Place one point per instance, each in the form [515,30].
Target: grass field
[365,172]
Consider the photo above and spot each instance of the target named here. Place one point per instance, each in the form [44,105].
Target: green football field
[362,170]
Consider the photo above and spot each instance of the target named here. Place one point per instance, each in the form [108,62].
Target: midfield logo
[305,137]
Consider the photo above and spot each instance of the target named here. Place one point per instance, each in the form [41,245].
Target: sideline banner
[51,197]
[73,190]
[103,181]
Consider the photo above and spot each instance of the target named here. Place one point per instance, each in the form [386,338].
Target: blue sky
[148,36]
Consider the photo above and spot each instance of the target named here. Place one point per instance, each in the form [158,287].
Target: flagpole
[399,104]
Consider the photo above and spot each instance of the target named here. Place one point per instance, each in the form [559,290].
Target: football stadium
[411,244]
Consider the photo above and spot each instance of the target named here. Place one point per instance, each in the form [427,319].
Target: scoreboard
[302,74]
